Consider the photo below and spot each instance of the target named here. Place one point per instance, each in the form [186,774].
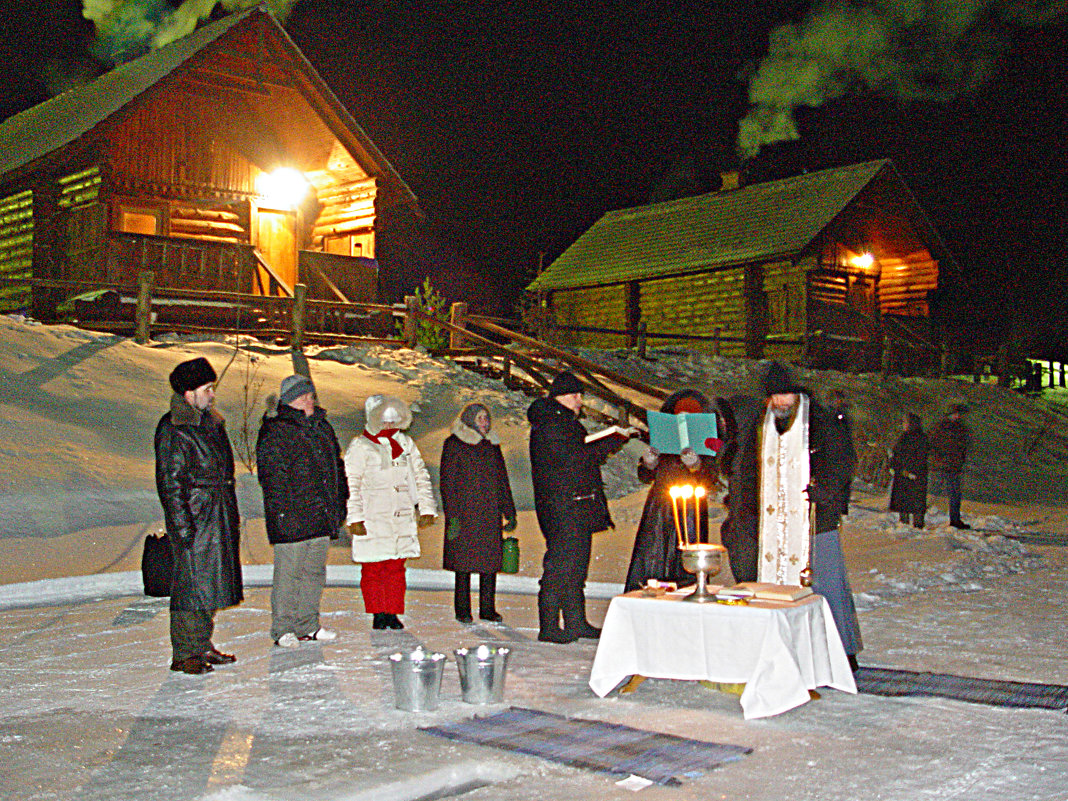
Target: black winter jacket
[299,466]
[195,482]
[566,470]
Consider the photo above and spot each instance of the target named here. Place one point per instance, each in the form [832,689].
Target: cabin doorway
[276,241]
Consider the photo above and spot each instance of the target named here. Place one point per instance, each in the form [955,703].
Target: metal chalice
[703,559]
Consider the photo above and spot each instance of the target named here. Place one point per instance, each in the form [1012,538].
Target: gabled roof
[755,223]
[42,130]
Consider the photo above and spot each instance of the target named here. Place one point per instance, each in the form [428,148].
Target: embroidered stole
[784,509]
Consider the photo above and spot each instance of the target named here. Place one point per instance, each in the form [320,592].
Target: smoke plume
[906,49]
[126,29]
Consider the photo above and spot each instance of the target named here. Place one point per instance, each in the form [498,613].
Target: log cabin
[219,162]
[834,268]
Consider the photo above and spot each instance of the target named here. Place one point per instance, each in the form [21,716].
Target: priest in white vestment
[795,459]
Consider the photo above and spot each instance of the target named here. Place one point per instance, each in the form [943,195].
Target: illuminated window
[139,220]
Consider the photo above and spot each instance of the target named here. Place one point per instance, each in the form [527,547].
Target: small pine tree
[430,336]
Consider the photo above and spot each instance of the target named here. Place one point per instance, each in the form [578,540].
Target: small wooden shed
[221,161]
[833,268]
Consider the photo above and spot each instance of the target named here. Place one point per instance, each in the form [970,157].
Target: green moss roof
[755,223]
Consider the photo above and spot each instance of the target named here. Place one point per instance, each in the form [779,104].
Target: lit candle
[675,492]
[687,493]
[699,492]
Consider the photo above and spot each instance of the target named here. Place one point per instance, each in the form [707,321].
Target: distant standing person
[390,498]
[949,450]
[908,460]
[195,483]
[475,497]
[570,503]
[298,462]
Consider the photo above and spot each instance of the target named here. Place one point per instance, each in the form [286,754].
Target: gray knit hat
[293,387]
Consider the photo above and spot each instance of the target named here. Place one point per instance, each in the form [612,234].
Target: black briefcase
[157,565]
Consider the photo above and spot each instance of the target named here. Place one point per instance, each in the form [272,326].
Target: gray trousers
[829,579]
[191,632]
[299,578]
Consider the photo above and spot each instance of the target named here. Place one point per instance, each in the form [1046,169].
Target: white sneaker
[288,640]
[319,634]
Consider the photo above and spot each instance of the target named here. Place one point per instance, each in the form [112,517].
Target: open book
[673,433]
[612,431]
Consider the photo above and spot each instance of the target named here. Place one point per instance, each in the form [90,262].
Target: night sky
[518,124]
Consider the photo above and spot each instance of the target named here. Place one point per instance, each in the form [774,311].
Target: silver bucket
[417,680]
[482,672]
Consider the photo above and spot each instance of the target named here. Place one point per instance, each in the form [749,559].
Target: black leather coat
[299,466]
[195,482]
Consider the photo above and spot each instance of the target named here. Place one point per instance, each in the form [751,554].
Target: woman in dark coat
[476,496]
[908,494]
[655,553]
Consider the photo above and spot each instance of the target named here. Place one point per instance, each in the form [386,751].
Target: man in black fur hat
[786,497]
[195,482]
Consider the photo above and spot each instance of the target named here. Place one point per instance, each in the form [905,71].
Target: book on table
[624,432]
[674,433]
[775,592]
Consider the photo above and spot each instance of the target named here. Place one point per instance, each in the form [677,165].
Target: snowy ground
[88,709]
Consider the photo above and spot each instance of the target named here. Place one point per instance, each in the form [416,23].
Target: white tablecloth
[780,651]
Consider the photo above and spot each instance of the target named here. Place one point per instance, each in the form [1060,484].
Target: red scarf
[386,435]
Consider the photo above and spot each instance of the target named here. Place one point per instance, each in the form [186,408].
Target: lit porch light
[284,188]
[863,262]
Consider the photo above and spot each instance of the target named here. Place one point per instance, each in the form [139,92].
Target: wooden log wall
[214,223]
[696,304]
[81,227]
[597,307]
[347,210]
[16,247]
[784,285]
[905,282]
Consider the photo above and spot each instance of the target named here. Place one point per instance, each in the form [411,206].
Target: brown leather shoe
[217,657]
[194,665]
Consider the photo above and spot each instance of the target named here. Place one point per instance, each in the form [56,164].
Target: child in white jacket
[390,498]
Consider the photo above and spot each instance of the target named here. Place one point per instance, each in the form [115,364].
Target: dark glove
[358,529]
[452,531]
[819,495]
[510,523]
[426,520]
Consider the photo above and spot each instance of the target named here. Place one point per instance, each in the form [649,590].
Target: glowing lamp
[864,261]
[284,188]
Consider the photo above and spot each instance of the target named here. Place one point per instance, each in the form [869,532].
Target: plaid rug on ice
[885,681]
[593,744]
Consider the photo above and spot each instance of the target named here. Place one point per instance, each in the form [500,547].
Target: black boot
[380,622]
[487,590]
[575,623]
[549,621]
[461,597]
[393,622]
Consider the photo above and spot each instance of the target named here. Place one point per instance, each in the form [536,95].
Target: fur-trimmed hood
[471,436]
[378,406]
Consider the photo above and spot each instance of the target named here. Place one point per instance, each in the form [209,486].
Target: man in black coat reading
[195,483]
[570,503]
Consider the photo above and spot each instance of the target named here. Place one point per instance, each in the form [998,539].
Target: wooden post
[300,296]
[145,282]
[411,320]
[640,341]
[716,345]
[887,356]
[458,317]
[506,371]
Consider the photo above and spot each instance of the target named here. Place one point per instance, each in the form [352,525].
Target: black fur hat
[778,381]
[192,374]
[565,384]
